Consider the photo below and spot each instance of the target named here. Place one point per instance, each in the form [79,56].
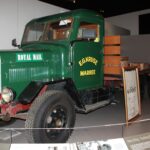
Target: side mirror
[14,43]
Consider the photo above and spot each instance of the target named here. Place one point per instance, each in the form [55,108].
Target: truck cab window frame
[88,31]
[48,31]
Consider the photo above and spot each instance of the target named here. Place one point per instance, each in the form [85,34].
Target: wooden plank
[112,78]
[140,66]
[124,58]
[112,50]
[115,70]
[113,60]
[144,66]
[112,40]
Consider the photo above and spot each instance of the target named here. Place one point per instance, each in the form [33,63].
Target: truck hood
[53,49]
[43,46]
[10,50]
[37,47]
[34,62]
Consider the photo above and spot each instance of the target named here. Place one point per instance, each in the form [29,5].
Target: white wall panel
[14,14]
[8,22]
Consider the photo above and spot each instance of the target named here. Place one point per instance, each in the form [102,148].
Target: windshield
[47,31]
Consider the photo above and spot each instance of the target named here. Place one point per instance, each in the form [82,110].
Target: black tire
[54,109]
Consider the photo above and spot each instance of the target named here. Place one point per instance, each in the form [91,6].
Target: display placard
[132,93]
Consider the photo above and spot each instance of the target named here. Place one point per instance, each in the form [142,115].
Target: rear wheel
[54,109]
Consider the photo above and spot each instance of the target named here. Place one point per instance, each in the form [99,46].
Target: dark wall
[144,24]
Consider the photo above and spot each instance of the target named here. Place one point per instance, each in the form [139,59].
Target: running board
[92,107]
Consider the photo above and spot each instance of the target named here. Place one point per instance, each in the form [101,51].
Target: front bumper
[12,109]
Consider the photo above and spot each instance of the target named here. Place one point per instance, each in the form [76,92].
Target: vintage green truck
[56,71]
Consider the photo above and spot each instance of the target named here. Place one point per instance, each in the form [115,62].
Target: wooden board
[113,60]
[115,70]
[113,64]
[112,40]
[140,66]
[112,50]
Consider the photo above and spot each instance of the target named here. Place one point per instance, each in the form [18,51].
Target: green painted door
[88,57]
[87,65]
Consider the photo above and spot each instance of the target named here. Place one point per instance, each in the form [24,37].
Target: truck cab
[78,37]
[57,71]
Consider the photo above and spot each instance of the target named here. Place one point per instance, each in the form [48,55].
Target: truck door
[88,56]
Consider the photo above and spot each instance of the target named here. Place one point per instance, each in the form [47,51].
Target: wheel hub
[56,119]
[59,123]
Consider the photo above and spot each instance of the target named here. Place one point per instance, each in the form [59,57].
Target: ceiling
[108,8]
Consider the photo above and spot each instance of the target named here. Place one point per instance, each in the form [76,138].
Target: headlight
[7,95]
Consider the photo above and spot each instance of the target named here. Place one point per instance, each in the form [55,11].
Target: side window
[58,30]
[88,31]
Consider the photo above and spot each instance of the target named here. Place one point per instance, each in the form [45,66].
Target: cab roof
[73,13]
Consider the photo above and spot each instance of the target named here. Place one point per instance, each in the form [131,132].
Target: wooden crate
[113,61]
[112,40]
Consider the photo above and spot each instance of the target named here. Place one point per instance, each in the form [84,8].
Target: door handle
[70,64]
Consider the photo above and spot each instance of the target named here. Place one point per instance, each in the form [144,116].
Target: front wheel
[54,109]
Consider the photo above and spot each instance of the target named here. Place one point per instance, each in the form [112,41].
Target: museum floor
[109,122]
[102,124]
